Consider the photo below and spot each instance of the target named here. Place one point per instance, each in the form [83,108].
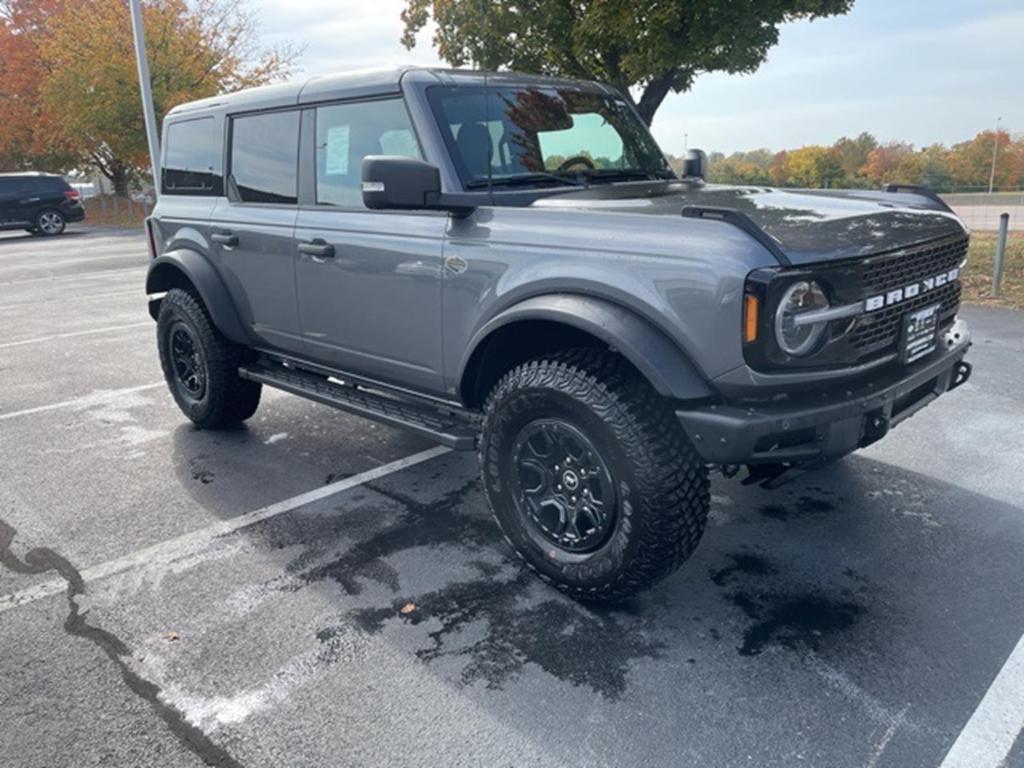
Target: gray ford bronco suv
[508,264]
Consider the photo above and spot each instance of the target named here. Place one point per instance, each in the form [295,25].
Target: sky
[921,71]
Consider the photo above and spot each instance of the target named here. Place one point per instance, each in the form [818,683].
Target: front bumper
[821,425]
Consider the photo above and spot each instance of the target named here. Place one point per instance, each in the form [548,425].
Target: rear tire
[201,365]
[591,478]
[50,222]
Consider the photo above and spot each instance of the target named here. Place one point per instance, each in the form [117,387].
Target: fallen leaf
[408,608]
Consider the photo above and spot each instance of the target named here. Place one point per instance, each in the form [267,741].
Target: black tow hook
[961,373]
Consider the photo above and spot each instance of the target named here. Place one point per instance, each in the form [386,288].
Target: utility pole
[148,111]
[995,152]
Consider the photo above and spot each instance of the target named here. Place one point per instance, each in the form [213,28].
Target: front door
[252,228]
[369,282]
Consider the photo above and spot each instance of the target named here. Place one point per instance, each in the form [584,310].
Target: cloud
[921,72]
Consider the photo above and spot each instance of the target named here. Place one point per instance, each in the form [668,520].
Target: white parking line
[6,305]
[195,541]
[83,276]
[73,334]
[78,258]
[988,737]
[81,402]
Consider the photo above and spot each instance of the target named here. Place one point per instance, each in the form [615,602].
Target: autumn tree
[22,73]
[895,162]
[88,95]
[645,48]
[852,154]
[970,163]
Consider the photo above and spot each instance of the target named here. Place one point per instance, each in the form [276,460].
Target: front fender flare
[657,357]
[166,272]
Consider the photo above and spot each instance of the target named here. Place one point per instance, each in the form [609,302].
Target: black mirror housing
[400,183]
[695,166]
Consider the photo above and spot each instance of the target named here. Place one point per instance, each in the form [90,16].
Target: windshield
[544,136]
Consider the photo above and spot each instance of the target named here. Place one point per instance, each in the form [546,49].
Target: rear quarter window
[264,157]
[190,158]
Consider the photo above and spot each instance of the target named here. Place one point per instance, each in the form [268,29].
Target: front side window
[345,134]
[190,158]
[520,136]
[264,157]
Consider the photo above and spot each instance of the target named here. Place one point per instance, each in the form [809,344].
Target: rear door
[252,228]
[369,282]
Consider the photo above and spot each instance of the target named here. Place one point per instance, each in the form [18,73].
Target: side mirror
[405,184]
[695,166]
[401,183]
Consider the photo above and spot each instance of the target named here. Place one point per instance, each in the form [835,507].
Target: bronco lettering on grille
[897,295]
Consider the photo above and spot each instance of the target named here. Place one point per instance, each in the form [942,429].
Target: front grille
[879,331]
[883,273]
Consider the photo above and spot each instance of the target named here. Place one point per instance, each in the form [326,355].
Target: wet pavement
[301,592]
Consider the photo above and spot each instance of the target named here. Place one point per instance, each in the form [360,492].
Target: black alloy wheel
[562,486]
[188,362]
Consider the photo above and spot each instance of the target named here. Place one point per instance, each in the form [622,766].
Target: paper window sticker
[337,151]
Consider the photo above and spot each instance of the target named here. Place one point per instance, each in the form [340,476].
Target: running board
[457,430]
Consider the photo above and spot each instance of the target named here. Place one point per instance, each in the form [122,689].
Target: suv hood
[803,226]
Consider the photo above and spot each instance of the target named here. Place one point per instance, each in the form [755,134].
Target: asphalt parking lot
[319,590]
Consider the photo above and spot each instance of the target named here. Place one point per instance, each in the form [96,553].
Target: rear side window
[264,157]
[190,158]
[345,134]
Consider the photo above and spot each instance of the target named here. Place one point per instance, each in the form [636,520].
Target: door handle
[229,239]
[318,249]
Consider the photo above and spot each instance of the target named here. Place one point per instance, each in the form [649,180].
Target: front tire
[50,223]
[589,475]
[201,366]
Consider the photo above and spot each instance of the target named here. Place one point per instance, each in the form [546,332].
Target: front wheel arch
[548,323]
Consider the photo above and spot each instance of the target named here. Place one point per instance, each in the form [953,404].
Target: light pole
[148,112]
[995,152]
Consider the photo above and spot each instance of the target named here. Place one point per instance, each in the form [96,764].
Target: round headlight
[794,337]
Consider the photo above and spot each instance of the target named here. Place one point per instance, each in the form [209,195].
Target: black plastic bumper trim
[836,421]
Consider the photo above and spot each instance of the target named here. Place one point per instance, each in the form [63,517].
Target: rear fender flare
[651,352]
[165,272]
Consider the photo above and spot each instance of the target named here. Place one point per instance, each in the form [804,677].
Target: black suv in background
[40,203]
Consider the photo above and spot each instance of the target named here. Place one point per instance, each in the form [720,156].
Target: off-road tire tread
[671,479]
[233,399]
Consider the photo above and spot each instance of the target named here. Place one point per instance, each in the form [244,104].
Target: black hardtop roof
[364,83]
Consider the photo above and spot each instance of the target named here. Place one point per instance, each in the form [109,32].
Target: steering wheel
[577,160]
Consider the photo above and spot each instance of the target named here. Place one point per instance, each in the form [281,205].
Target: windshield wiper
[626,174]
[525,179]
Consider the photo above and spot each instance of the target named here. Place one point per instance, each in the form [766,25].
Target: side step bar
[455,429]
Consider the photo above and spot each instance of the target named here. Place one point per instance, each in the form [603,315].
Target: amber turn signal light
[751,306]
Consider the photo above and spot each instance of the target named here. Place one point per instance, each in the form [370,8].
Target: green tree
[652,46]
